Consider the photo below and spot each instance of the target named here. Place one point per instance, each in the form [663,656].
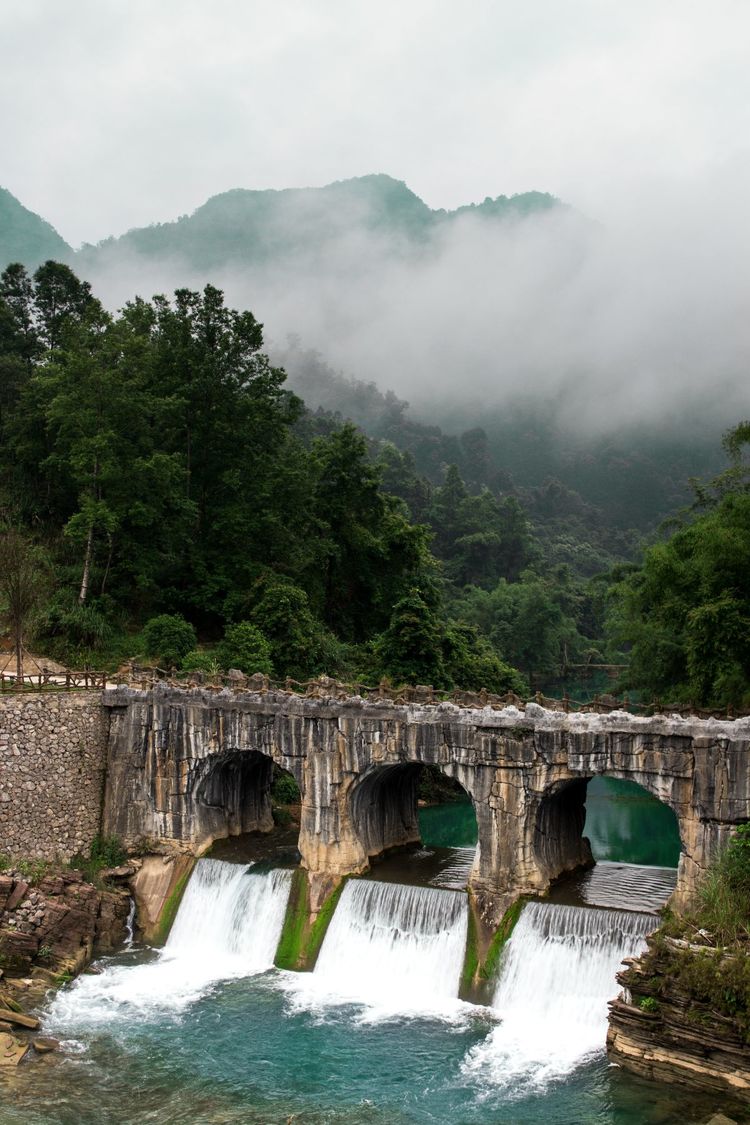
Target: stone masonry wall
[52,768]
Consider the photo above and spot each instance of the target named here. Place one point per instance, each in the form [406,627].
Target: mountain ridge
[26,237]
[261,225]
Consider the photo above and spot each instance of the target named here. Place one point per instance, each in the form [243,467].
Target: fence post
[566,702]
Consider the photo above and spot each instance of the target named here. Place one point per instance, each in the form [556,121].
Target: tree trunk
[19,658]
[86,565]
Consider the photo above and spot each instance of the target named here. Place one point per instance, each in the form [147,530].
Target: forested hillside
[155,472]
[27,238]
[168,495]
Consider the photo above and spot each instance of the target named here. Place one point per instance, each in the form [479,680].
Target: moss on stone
[170,908]
[471,959]
[321,924]
[301,940]
[289,950]
[489,968]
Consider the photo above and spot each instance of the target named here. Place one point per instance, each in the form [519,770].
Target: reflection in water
[448,826]
[628,825]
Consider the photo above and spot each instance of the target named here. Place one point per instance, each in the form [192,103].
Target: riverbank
[52,923]
[683,1018]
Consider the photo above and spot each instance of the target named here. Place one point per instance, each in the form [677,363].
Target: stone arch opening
[607,821]
[242,792]
[385,806]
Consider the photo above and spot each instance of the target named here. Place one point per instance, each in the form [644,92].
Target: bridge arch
[511,763]
[232,794]
[560,843]
[384,804]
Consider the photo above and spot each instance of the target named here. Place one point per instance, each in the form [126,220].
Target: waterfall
[394,948]
[228,925]
[557,975]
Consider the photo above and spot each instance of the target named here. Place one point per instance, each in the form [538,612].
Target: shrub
[649,1004]
[168,639]
[244,647]
[284,790]
[108,850]
[724,903]
[105,851]
[197,661]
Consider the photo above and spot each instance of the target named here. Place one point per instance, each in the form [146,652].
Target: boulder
[11,1050]
[44,1045]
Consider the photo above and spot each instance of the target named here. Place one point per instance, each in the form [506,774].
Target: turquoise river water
[206,1032]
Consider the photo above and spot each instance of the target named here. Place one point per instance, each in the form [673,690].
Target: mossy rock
[301,939]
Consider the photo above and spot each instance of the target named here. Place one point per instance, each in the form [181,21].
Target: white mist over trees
[634,317]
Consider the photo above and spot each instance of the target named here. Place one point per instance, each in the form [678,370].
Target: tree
[685,613]
[168,638]
[24,579]
[282,612]
[411,648]
[472,663]
[244,647]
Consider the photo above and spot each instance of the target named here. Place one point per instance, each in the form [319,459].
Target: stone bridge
[193,766]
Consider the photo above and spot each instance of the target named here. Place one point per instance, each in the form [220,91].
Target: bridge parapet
[602,703]
[193,764]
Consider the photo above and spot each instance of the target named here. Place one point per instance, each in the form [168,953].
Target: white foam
[398,950]
[557,977]
[228,925]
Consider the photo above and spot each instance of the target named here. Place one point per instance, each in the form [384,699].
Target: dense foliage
[190,510]
[157,458]
[685,613]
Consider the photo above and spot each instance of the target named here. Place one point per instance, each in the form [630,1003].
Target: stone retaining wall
[52,766]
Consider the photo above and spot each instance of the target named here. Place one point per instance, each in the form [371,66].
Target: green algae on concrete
[484,952]
[489,968]
[301,939]
[168,913]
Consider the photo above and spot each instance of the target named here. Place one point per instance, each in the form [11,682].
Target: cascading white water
[558,974]
[228,925]
[395,948]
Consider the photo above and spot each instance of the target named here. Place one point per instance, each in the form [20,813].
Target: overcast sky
[117,113]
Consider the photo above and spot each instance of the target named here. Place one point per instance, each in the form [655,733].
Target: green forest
[166,495]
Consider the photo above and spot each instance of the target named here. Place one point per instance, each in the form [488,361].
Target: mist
[634,317]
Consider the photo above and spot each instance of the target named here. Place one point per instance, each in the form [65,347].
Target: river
[186,1037]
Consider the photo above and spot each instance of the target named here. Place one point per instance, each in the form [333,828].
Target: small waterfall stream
[394,948]
[557,976]
[228,925]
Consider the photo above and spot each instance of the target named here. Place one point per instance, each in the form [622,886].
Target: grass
[33,870]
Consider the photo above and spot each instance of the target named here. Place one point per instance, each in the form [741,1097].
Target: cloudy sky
[117,113]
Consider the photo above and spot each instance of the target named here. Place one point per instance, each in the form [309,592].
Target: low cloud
[638,316]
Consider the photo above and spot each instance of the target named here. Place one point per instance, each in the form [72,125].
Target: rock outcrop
[665,1029]
[58,922]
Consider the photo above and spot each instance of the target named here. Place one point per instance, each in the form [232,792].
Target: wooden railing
[326,688]
[146,677]
[46,680]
